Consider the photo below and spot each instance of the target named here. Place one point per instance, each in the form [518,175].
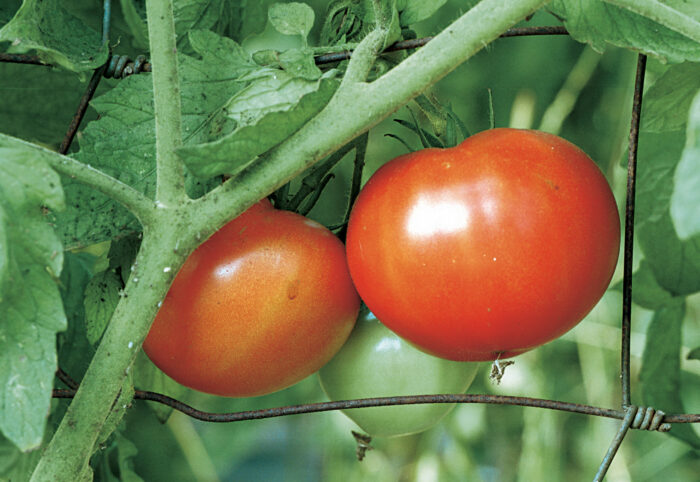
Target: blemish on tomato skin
[293,289]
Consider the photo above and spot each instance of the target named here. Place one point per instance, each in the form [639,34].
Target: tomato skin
[375,362]
[487,249]
[262,304]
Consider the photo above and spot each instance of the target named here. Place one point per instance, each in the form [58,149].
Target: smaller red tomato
[375,362]
[262,304]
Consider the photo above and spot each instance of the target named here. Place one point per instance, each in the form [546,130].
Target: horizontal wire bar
[383,402]
[337,56]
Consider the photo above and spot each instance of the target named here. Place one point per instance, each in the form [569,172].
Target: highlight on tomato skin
[262,304]
[487,249]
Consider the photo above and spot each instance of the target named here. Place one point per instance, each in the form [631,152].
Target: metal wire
[120,66]
[420,42]
[629,231]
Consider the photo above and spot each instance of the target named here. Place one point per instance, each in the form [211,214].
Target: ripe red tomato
[487,249]
[263,303]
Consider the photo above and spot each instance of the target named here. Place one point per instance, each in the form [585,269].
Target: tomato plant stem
[67,455]
[133,200]
[166,101]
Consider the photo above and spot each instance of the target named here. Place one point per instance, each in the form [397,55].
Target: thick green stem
[133,200]
[69,451]
[166,101]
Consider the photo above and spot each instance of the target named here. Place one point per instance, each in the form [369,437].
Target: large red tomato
[263,303]
[487,249]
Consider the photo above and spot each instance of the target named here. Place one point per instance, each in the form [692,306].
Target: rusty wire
[629,230]
[398,400]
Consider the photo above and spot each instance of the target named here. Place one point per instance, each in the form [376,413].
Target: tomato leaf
[674,262]
[667,102]
[646,291]
[685,200]
[660,374]
[300,63]
[57,35]
[291,18]
[273,106]
[27,96]
[413,11]
[694,354]
[31,312]
[122,253]
[599,23]
[135,19]
[126,452]
[122,141]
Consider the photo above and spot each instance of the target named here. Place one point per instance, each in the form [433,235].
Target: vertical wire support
[106,16]
[82,108]
[629,230]
[92,85]
[615,444]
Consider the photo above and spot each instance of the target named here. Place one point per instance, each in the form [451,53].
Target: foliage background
[526,76]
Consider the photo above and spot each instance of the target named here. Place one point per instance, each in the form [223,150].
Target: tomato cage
[631,416]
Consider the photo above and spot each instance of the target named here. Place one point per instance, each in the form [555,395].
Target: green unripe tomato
[375,362]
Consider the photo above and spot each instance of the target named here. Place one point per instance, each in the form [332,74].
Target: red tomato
[487,249]
[263,303]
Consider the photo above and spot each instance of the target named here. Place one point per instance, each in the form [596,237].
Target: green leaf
[413,11]
[101,298]
[681,17]
[37,105]
[59,37]
[300,63]
[218,16]
[291,18]
[685,200]
[667,102]
[599,23]
[674,262]
[15,465]
[660,374]
[694,354]
[122,141]
[122,253]
[31,312]
[646,291]
[136,21]
[74,349]
[273,106]
[126,452]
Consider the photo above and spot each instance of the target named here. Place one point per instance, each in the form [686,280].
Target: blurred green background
[551,83]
